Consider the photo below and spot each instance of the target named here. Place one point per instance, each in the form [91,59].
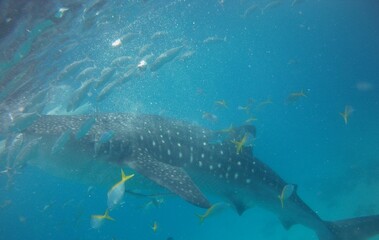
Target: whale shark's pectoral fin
[173,178]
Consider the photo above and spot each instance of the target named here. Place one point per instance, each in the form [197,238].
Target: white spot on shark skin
[228,169]
[191,158]
[168,152]
[252,170]
[202,155]
[179,145]
[163,141]
[239,163]
[191,148]
[226,175]
[210,167]
[153,143]
[161,136]
[180,155]
[190,138]
[204,143]
[248,180]
[219,165]
[200,164]
[221,152]
[141,137]
[149,131]
[177,133]
[235,175]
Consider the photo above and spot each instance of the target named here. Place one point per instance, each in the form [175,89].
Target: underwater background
[304,72]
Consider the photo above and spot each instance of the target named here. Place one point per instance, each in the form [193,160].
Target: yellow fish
[240,144]
[250,120]
[286,193]
[116,193]
[346,114]
[221,103]
[228,130]
[97,220]
[264,103]
[244,108]
[215,208]
[155,226]
[295,96]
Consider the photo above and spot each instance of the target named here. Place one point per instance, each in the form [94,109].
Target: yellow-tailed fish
[97,220]
[155,226]
[240,144]
[295,96]
[116,193]
[264,103]
[286,193]
[212,210]
[250,120]
[221,103]
[346,114]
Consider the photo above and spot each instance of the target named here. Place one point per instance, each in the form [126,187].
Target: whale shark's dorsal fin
[173,178]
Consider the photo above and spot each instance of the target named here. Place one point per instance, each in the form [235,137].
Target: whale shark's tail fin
[360,228]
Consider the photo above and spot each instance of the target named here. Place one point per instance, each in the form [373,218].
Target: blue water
[328,49]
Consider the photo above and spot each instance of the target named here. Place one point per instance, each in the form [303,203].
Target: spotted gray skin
[181,158]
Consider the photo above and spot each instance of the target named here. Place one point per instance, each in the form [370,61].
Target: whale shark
[176,156]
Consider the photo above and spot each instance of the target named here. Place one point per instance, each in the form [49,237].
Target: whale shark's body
[177,156]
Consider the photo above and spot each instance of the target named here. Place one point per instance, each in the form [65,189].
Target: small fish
[221,103]
[165,57]
[250,10]
[228,130]
[155,226]
[23,121]
[26,152]
[128,37]
[264,103]
[252,119]
[61,142]
[14,147]
[85,128]
[210,117]
[72,67]
[106,90]
[246,109]
[61,12]
[212,210]
[121,60]
[240,144]
[295,96]
[97,220]
[214,39]
[116,193]
[105,75]
[79,95]
[346,113]
[186,55]
[144,49]
[270,5]
[286,193]
[127,76]
[158,34]
[83,74]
